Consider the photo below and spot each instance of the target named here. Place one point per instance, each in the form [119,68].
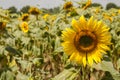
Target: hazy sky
[45,3]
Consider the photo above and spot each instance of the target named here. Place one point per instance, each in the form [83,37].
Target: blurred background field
[30,41]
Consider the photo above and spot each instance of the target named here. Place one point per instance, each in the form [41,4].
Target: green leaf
[12,50]
[118,64]
[25,40]
[67,74]
[25,64]
[108,66]
[21,76]
[116,77]
[7,76]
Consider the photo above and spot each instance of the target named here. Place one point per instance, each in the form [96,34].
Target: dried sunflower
[2,25]
[34,11]
[25,17]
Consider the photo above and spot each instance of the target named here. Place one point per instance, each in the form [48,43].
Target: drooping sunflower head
[24,26]
[2,25]
[25,17]
[68,5]
[34,11]
[88,3]
[86,41]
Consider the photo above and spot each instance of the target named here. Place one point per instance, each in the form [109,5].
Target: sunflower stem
[37,17]
[85,73]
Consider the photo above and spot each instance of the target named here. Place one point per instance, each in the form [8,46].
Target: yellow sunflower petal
[82,22]
[84,60]
[66,34]
[69,50]
[91,24]
[104,47]
[90,59]
[75,25]
[97,56]
[78,59]
[72,57]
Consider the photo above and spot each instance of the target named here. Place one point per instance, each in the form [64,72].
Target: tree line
[25,9]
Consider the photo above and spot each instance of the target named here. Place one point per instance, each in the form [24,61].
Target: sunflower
[86,41]
[68,5]
[24,26]
[119,11]
[2,25]
[25,17]
[107,17]
[87,4]
[45,17]
[34,11]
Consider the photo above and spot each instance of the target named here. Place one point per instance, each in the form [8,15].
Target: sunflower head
[45,17]
[107,17]
[24,26]
[53,17]
[25,17]
[34,11]
[119,11]
[2,25]
[86,41]
[73,12]
[68,5]
[88,3]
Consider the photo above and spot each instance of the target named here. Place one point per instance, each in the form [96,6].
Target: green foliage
[68,74]
[96,5]
[111,5]
[25,9]
[38,54]
[12,9]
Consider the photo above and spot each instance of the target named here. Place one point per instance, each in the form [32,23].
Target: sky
[45,3]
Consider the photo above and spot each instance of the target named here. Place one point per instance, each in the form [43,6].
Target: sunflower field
[77,43]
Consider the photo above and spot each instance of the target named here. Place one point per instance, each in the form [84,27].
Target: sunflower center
[85,41]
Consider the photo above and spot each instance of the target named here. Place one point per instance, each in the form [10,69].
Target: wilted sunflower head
[24,26]
[34,11]
[25,17]
[68,5]
[2,25]
[86,41]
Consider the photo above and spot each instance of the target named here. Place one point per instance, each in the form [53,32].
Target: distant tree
[111,5]
[96,5]
[56,9]
[51,10]
[12,9]
[25,9]
[44,10]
